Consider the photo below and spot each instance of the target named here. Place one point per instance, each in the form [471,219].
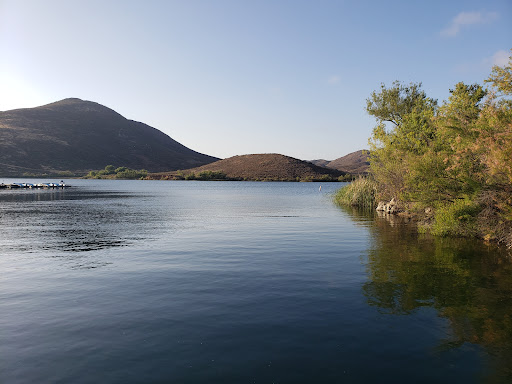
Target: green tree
[457,127]
[501,79]
[495,140]
[455,158]
[395,103]
[110,169]
[404,130]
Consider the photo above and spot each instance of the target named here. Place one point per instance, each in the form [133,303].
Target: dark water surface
[227,282]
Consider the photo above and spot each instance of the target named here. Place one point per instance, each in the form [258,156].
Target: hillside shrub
[211,175]
[132,174]
[203,176]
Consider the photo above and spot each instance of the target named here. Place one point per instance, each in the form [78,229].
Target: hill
[320,162]
[78,136]
[353,163]
[273,167]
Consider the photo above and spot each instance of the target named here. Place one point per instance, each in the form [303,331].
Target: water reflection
[468,282]
[68,224]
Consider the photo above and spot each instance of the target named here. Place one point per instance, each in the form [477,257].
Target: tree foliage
[458,154]
[119,173]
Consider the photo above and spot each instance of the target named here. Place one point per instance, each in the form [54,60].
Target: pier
[61,185]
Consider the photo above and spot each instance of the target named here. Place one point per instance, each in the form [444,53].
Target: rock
[381,206]
[391,207]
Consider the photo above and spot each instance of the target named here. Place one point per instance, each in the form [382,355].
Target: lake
[240,282]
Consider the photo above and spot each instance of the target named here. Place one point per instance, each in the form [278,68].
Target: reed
[359,193]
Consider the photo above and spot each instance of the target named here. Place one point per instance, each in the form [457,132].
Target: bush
[347,177]
[119,173]
[456,219]
[109,170]
[325,178]
[204,175]
[132,174]
[211,175]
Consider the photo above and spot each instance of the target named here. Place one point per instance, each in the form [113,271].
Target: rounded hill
[270,167]
[77,135]
[355,162]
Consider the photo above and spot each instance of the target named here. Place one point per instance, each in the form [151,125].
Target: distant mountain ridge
[353,163]
[269,166]
[77,135]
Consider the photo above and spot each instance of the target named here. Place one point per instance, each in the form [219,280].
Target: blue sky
[231,77]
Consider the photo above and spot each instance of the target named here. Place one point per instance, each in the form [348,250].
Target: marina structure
[61,184]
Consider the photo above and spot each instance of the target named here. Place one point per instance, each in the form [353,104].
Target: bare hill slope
[78,135]
[353,163]
[263,167]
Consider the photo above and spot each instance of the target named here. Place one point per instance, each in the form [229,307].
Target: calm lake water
[240,282]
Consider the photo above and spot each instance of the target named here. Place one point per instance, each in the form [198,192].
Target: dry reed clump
[359,193]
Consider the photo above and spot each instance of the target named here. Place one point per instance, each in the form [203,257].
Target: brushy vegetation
[111,172]
[348,177]
[456,219]
[220,175]
[452,160]
[325,178]
[203,176]
[361,193]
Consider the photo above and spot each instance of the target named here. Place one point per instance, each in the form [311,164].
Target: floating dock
[34,186]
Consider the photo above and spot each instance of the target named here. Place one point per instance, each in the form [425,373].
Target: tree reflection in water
[468,282]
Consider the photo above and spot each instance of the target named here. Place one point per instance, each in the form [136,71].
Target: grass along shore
[361,193]
[461,218]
